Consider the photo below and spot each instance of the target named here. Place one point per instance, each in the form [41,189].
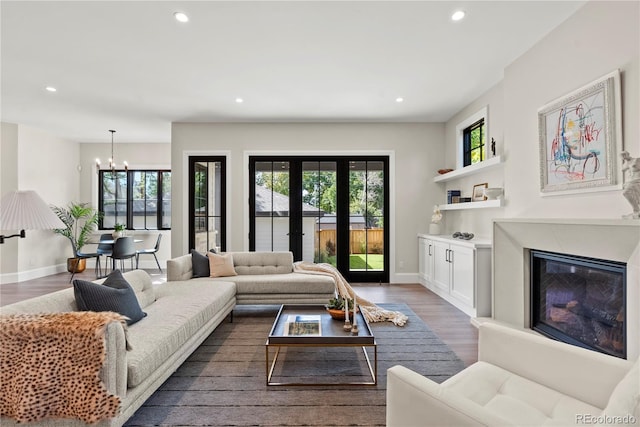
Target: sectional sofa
[262,278]
[180,315]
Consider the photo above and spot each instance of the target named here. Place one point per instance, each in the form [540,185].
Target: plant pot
[79,264]
[435,229]
[339,314]
[116,234]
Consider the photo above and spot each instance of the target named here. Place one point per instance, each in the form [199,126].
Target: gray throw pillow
[115,294]
[199,264]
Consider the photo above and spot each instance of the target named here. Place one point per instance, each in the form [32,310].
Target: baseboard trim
[36,273]
[405,278]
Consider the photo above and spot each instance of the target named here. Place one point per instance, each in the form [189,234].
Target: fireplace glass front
[580,301]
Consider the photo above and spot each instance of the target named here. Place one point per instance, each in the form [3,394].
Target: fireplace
[579,300]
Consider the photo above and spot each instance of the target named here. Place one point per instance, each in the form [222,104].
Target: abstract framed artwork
[580,136]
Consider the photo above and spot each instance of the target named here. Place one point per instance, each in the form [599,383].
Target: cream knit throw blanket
[371,312]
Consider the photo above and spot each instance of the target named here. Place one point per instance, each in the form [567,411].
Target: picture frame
[580,135]
[478,192]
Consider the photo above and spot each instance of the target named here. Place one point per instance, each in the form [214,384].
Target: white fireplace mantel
[610,239]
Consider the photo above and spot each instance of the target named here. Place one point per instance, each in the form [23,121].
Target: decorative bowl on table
[493,193]
[336,314]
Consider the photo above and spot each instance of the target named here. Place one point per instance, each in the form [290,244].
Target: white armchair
[520,379]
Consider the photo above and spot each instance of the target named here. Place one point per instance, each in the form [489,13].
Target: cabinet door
[423,247]
[428,263]
[441,266]
[462,260]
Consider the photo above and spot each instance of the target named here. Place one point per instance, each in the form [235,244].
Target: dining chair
[123,249]
[87,255]
[105,249]
[150,251]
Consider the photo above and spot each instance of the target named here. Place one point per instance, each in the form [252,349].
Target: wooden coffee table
[332,335]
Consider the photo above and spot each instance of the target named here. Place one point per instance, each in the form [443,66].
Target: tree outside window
[473,143]
[140,199]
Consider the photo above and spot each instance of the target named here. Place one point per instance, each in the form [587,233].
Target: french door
[207,203]
[323,209]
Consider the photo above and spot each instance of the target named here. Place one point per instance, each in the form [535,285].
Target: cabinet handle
[451,256]
[446,255]
[429,250]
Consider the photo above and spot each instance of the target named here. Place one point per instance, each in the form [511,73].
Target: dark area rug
[223,383]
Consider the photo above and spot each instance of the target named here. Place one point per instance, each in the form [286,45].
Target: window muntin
[139,199]
[473,138]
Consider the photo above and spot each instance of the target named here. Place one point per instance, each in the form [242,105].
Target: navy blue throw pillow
[115,294]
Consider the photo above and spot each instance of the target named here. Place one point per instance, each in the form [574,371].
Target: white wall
[600,37]
[417,151]
[48,165]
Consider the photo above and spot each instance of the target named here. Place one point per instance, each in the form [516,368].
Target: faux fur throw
[371,312]
[50,366]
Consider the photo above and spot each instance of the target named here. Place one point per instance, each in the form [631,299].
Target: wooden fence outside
[369,241]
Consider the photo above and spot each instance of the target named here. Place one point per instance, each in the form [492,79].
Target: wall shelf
[472,205]
[470,170]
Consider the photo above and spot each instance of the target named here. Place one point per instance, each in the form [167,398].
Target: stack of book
[453,196]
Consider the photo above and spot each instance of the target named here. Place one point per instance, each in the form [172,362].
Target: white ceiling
[132,67]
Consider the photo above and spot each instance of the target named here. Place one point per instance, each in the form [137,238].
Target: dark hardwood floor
[449,323]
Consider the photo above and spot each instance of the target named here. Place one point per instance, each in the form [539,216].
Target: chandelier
[112,161]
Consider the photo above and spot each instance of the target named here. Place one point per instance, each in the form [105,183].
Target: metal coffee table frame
[333,335]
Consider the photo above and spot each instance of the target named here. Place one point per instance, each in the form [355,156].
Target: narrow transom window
[473,138]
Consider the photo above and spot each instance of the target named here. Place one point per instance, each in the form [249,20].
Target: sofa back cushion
[263,262]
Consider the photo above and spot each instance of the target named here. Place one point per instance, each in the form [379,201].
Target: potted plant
[118,230]
[336,307]
[80,220]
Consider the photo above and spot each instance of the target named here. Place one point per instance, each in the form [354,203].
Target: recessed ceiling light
[51,89]
[399,99]
[181,17]
[457,15]
[239,100]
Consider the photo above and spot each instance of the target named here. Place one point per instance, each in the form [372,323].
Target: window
[140,199]
[473,143]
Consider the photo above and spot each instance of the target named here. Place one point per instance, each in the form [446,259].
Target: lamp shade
[25,210]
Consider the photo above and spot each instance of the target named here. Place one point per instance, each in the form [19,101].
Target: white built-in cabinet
[458,271]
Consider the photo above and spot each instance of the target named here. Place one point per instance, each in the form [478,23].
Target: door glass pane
[366,215]
[207,211]
[318,212]
[114,187]
[166,199]
[272,206]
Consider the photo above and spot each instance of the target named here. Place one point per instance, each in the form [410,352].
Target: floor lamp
[25,210]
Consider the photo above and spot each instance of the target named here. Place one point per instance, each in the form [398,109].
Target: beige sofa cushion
[247,263]
[291,283]
[518,400]
[180,310]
